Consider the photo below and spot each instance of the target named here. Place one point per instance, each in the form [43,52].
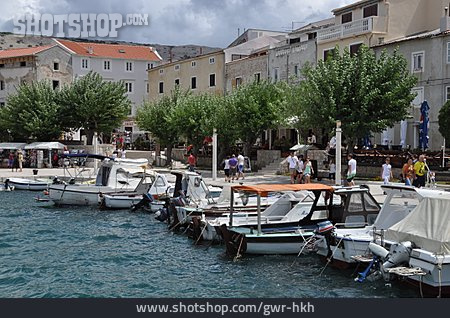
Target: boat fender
[378,250]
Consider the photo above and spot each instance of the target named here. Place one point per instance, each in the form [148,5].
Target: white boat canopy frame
[45,145]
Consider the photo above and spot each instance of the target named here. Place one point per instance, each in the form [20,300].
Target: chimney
[445,21]
[201,50]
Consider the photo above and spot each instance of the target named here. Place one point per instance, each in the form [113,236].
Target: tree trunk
[89,136]
[169,154]
[247,149]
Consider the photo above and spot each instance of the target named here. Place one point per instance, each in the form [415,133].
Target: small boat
[330,204]
[417,248]
[152,184]
[29,184]
[348,246]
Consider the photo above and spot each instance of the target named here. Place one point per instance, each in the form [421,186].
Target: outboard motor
[398,254]
[326,229]
[162,215]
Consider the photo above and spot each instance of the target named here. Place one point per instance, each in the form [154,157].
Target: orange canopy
[264,189]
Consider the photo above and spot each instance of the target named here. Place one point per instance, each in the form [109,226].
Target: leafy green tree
[368,94]
[444,121]
[156,117]
[94,105]
[33,113]
[193,118]
[259,106]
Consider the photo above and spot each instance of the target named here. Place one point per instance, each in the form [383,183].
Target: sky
[176,22]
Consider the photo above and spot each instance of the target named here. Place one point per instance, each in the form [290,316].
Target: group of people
[413,172]
[234,167]
[15,160]
[300,171]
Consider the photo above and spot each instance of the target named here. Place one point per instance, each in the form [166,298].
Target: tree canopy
[368,94]
[444,121]
[33,113]
[94,104]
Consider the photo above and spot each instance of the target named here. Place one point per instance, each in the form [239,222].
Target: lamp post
[214,155]
[338,152]
[443,154]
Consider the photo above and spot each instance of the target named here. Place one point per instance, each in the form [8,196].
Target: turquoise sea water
[48,251]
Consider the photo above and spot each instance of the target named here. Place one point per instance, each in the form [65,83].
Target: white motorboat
[153,184]
[329,205]
[347,246]
[114,175]
[417,248]
[29,184]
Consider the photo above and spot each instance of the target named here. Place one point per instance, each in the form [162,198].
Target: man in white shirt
[386,171]
[300,167]
[293,162]
[240,159]
[351,170]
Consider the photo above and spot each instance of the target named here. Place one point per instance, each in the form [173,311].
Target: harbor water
[48,251]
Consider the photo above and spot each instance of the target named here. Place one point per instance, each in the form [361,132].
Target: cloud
[177,22]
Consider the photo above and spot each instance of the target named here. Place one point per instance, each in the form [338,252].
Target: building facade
[116,62]
[202,74]
[25,65]
[246,70]
[374,22]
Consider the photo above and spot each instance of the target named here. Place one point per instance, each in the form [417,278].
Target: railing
[367,25]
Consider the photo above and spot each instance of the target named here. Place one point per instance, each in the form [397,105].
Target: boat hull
[121,202]
[77,195]
[30,185]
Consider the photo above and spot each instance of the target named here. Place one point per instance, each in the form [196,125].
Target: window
[22,64]
[328,54]
[238,81]
[212,80]
[84,64]
[161,71]
[448,52]
[212,60]
[418,62]
[129,87]
[129,66]
[147,85]
[447,93]
[193,63]
[177,82]
[193,82]
[56,66]
[177,67]
[55,85]
[149,66]
[347,17]
[107,65]
[354,49]
[258,77]
[296,70]
[370,11]
[275,74]
[2,85]
[355,204]
[161,87]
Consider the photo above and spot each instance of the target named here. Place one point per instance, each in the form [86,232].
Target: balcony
[358,27]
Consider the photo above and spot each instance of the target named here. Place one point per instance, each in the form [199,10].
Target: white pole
[95,142]
[443,155]
[338,152]
[214,155]
[258,209]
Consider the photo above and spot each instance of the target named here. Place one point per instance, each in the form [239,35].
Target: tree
[33,112]
[193,117]
[94,104]
[444,121]
[260,106]
[156,118]
[368,94]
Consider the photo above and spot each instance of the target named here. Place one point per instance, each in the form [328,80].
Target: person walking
[292,162]
[308,170]
[419,171]
[233,162]
[351,170]
[226,169]
[241,161]
[11,160]
[300,167]
[408,172]
[386,171]
[192,162]
[332,174]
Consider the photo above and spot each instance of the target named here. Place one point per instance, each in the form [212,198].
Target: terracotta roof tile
[27,51]
[119,51]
